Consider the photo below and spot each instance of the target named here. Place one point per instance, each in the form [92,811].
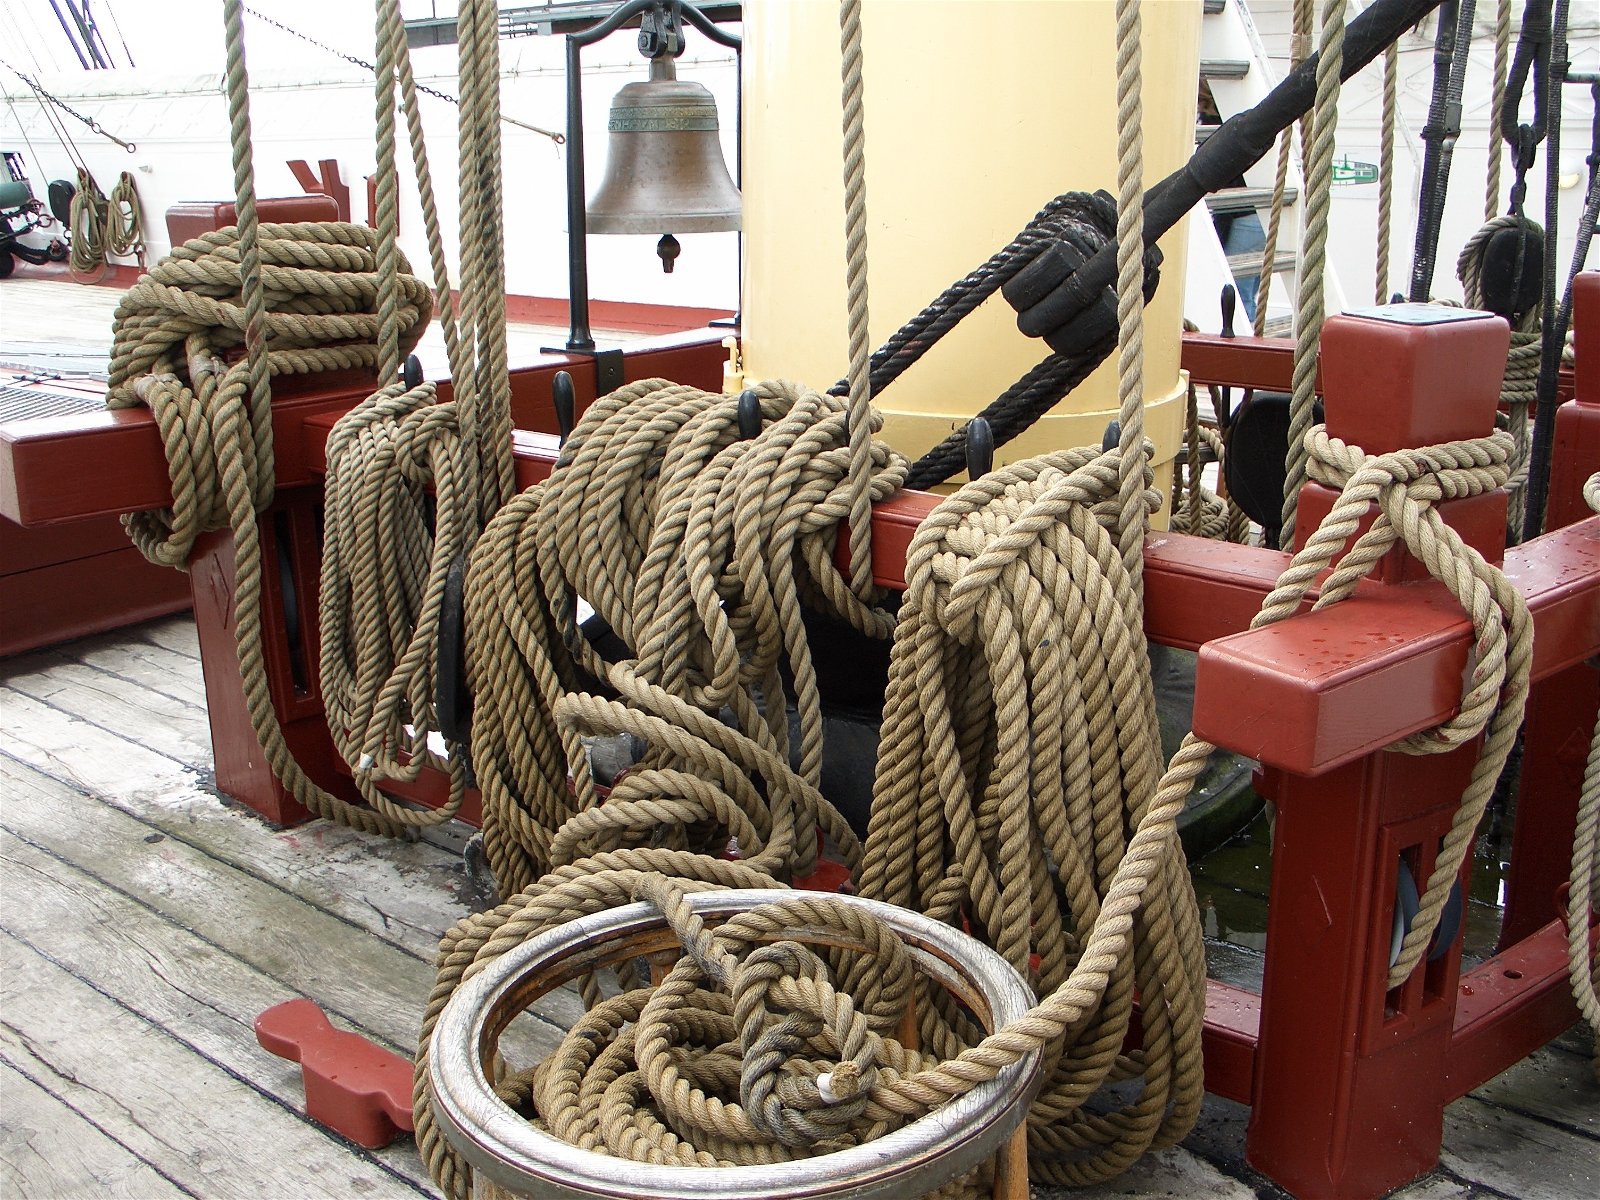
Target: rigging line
[97,37]
[41,40]
[557,138]
[117,25]
[93,124]
[1554,332]
[56,126]
[1443,127]
[33,155]
[71,40]
[16,29]
[86,29]
[62,136]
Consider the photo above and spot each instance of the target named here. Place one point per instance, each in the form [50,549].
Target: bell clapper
[667,250]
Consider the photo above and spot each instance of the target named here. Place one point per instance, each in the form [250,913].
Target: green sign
[1345,171]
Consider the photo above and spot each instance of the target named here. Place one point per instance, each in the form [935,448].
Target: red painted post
[1576,454]
[1560,709]
[1348,1090]
[289,582]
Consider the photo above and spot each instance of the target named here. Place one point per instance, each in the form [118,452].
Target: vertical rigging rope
[1130,293]
[387,215]
[1497,105]
[251,288]
[1308,324]
[855,223]
[1391,72]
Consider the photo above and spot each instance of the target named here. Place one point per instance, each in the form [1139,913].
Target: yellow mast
[978,112]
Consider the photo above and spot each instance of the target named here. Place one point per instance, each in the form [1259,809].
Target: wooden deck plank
[1551,1085]
[212,1132]
[203,916]
[164,975]
[405,893]
[378,985]
[49,1149]
[177,633]
[168,725]
[161,669]
[1519,1156]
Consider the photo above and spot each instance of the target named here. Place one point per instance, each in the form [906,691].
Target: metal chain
[94,125]
[558,138]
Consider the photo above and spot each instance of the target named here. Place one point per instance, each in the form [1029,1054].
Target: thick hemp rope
[1027,809]
[1583,896]
[312,289]
[403,504]
[90,216]
[1311,303]
[1391,101]
[125,218]
[696,548]
[1019,755]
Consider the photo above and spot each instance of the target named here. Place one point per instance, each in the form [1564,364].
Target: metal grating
[29,404]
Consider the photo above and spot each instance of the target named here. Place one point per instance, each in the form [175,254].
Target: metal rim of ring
[915,1159]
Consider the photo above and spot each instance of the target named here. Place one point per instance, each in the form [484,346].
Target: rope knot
[1407,486]
[788,1011]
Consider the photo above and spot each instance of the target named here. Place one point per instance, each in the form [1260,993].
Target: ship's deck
[147,920]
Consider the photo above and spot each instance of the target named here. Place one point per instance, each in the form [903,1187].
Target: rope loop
[1406,486]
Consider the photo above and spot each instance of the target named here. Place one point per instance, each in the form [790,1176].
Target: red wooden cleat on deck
[354,1087]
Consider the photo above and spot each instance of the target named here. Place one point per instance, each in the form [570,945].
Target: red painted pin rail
[1346,1079]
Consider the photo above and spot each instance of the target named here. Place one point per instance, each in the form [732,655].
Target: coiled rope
[125,218]
[1016,790]
[172,332]
[1028,808]
[408,486]
[1583,897]
[90,215]
[696,548]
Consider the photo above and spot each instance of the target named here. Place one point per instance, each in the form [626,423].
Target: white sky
[186,35]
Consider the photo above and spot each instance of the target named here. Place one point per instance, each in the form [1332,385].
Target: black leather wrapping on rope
[1063,217]
[1554,333]
[1062,295]
[1451,46]
[1533,52]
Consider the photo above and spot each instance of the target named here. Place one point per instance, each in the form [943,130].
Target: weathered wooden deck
[146,921]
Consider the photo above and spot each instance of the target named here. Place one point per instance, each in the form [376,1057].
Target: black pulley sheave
[1053,295]
[1064,291]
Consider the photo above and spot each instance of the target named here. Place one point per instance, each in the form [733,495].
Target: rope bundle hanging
[409,483]
[1019,754]
[90,217]
[125,218]
[313,290]
[696,547]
